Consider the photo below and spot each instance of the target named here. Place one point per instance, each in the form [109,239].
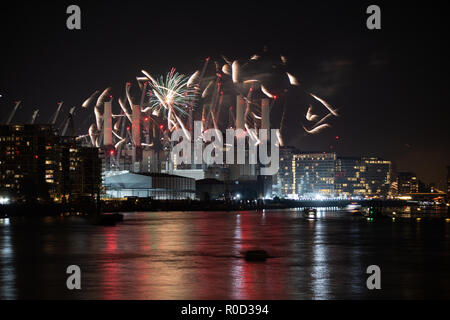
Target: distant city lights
[4,200]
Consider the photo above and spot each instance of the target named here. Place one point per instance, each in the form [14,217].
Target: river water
[198,255]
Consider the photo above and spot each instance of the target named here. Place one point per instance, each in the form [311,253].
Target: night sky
[390,85]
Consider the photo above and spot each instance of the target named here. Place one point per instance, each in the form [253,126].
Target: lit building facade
[407,183]
[377,177]
[38,165]
[283,183]
[313,174]
[350,177]
[448,182]
[79,170]
[324,175]
[28,162]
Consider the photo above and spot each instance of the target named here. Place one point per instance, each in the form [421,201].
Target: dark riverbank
[142,204]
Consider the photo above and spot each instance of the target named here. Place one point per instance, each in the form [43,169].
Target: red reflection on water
[111,267]
[111,240]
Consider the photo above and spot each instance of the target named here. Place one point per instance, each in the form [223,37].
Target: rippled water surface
[187,255]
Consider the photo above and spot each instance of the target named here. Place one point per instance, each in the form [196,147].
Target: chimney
[107,124]
[136,125]
[265,114]
[240,110]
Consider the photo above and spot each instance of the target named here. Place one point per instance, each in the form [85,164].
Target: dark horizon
[389,85]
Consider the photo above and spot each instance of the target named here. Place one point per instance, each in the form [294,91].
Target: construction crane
[55,116]
[69,122]
[34,116]
[13,112]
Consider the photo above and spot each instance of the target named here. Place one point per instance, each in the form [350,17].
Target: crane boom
[34,116]
[13,112]
[55,117]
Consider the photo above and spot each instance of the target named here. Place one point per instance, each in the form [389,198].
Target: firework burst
[170,95]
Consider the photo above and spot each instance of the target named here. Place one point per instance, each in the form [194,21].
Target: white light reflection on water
[320,274]
[7,268]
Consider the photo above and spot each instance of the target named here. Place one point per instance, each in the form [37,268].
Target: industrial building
[158,186]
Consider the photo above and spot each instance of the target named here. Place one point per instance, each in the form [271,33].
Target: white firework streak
[88,100]
[193,78]
[139,80]
[325,104]
[102,97]
[310,116]
[317,129]
[267,93]
[226,69]
[161,100]
[228,61]
[149,76]
[118,144]
[250,81]
[127,91]
[115,133]
[81,137]
[280,140]
[92,133]
[186,132]
[235,71]
[252,135]
[124,108]
[207,89]
[292,80]
[170,123]
[98,118]
[323,119]
[256,117]
[117,124]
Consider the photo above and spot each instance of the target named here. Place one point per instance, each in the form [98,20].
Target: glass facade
[313,174]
